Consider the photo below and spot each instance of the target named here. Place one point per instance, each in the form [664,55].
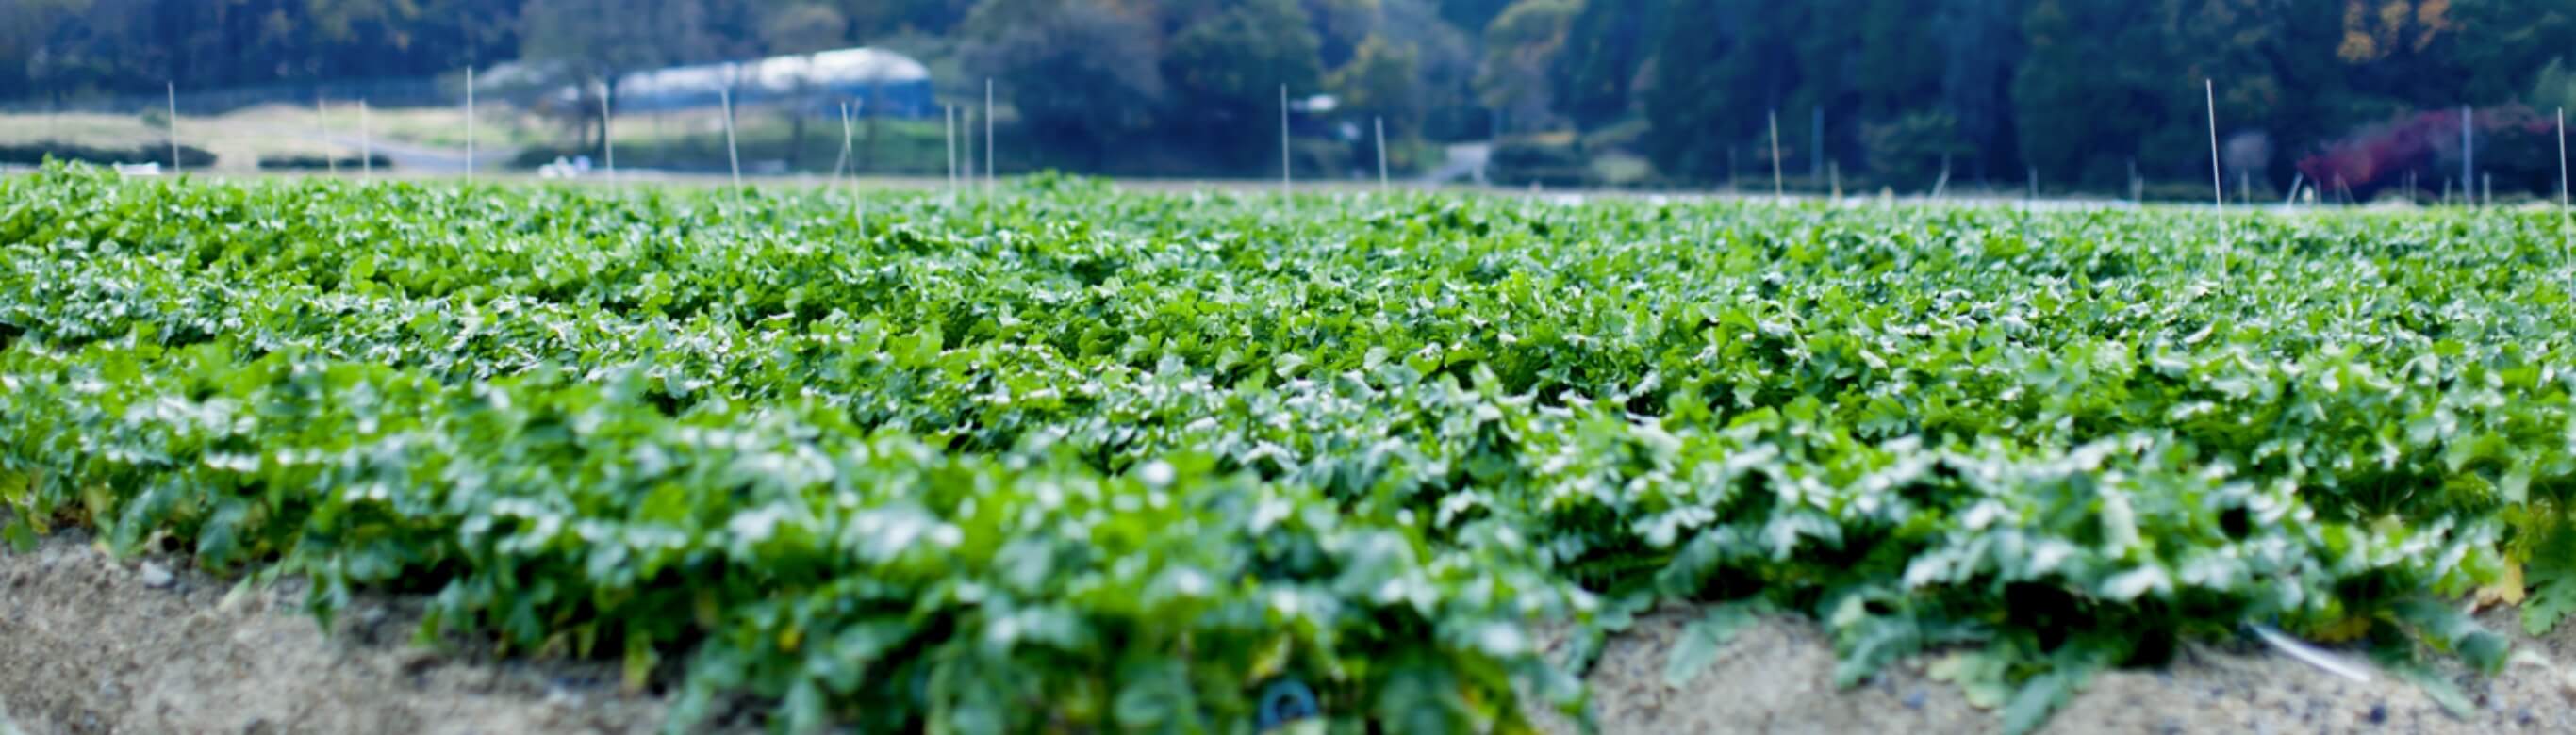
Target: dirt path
[90,645]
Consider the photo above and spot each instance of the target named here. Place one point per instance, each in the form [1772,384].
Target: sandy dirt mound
[1776,676]
[89,645]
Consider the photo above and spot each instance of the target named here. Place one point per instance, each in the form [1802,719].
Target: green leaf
[1982,676]
[1703,639]
[2553,594]
[2040,696]
[2453,701]
[19,537]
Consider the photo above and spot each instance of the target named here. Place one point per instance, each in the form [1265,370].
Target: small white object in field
[2311,655]
[156,576]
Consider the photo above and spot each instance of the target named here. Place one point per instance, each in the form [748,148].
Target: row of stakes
[733,156]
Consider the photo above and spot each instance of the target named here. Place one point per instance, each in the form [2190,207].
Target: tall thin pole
[469,125]
[2217,183]
[322,117]
[733,153]
[366,144]
[174,128]
[1816,143]
[607,135]
[1778,192]
[1284,162]
[838,162]
[2468,152]
[988,136]
[2566,221]
[846,150]
[949,114]
[1380,124]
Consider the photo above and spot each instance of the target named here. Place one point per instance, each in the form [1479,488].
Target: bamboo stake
[949,114]
[1380,124]
[733,153]
[2566,221]
[844,158]
[846,151]
[2217,187]
[1779,194]
[607,134]
[988,136]
[2468,154]
[174,128]
[469,125]
[1284,164]
[366,145]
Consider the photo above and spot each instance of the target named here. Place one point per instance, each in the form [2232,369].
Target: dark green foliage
[31,154]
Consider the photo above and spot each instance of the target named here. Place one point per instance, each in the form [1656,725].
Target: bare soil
[89,644]
[1776,676]
[92,645]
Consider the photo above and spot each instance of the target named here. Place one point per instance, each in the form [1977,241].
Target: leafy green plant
[1069,458]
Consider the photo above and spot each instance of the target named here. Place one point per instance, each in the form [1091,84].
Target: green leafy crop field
[1065,458]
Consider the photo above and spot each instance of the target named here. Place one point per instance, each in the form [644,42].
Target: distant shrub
[35,153]
[2513,143]
[307,163]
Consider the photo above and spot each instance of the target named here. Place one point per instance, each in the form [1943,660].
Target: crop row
[1069,457]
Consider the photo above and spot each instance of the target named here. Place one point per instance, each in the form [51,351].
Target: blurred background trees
[2087,94]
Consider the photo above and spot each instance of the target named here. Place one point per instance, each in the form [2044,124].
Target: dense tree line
[2079,92]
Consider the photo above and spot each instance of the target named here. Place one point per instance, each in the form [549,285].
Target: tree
[802,27]
[2088,125]
[1598,64]
[1077,71]
[1981,43]
[1913,148]
[2501,45]
[1226,65]
[1380,80]
[1686,109]
[1445,59]
[2555,87]
[1520,47]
